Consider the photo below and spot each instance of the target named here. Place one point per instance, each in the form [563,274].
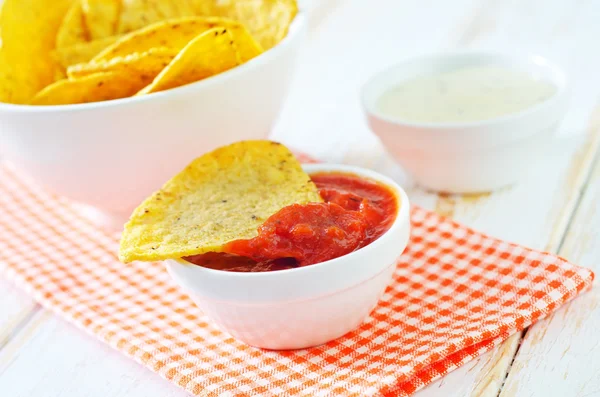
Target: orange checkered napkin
[456,294]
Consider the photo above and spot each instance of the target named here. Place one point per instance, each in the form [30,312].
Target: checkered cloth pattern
[456,294]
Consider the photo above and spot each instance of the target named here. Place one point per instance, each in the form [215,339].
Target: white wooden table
[558,211]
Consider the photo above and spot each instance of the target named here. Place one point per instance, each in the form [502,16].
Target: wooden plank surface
[486,375]
[527,218]
[16,307]
[51,358]
[350,40]
[560,356]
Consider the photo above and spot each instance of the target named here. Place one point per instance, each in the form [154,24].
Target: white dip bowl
[111,155]
[306,306]
[469,157]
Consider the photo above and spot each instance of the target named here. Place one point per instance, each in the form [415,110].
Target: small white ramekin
[469,157]
[307,306]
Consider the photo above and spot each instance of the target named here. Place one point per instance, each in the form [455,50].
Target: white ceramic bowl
[111,155]
[303,307]
[476,156]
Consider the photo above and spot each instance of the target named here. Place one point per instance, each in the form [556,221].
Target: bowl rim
[402,215]
[295,29]
[534,61]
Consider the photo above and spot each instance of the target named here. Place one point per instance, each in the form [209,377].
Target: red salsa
[356,212]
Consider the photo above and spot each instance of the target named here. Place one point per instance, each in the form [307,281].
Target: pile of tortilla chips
[220,197]
[57,52]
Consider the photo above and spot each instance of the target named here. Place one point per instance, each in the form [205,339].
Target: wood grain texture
[561,355]
[51,358]
[528,216]
[349,40]
[522,210]
[15,309]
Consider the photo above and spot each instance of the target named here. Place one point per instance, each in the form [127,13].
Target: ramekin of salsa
[314,272]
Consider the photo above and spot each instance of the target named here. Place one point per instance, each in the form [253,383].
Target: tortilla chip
[28,36]
[72,30]
[148,63]
[267,20]
[213,52]
[101,17]
[204,7]
[136,14]
[185,8]
[92,88]
[175,34]
[10,81]
[59,75]
[222,196]
[245,45]
[81,53]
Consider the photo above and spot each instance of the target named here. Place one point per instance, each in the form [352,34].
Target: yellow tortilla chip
[267,20]
[175,34]
[81,53]
[92,88]
[245,45]
[148,63]
[101,17]
[204,7]
[73,30]
[136,14]
[10,83]
[185,8]
[211,53]
[220,197]
[28,36]
[59,75]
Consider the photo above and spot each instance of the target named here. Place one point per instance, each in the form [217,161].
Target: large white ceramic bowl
[111,155]
[307,306]
[469,157]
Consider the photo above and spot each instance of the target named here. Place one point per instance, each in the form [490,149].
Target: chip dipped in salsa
[251,207]
[355,212]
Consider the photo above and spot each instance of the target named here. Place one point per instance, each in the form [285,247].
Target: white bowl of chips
[111,153]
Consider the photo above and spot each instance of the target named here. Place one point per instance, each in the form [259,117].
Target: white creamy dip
[464,95]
